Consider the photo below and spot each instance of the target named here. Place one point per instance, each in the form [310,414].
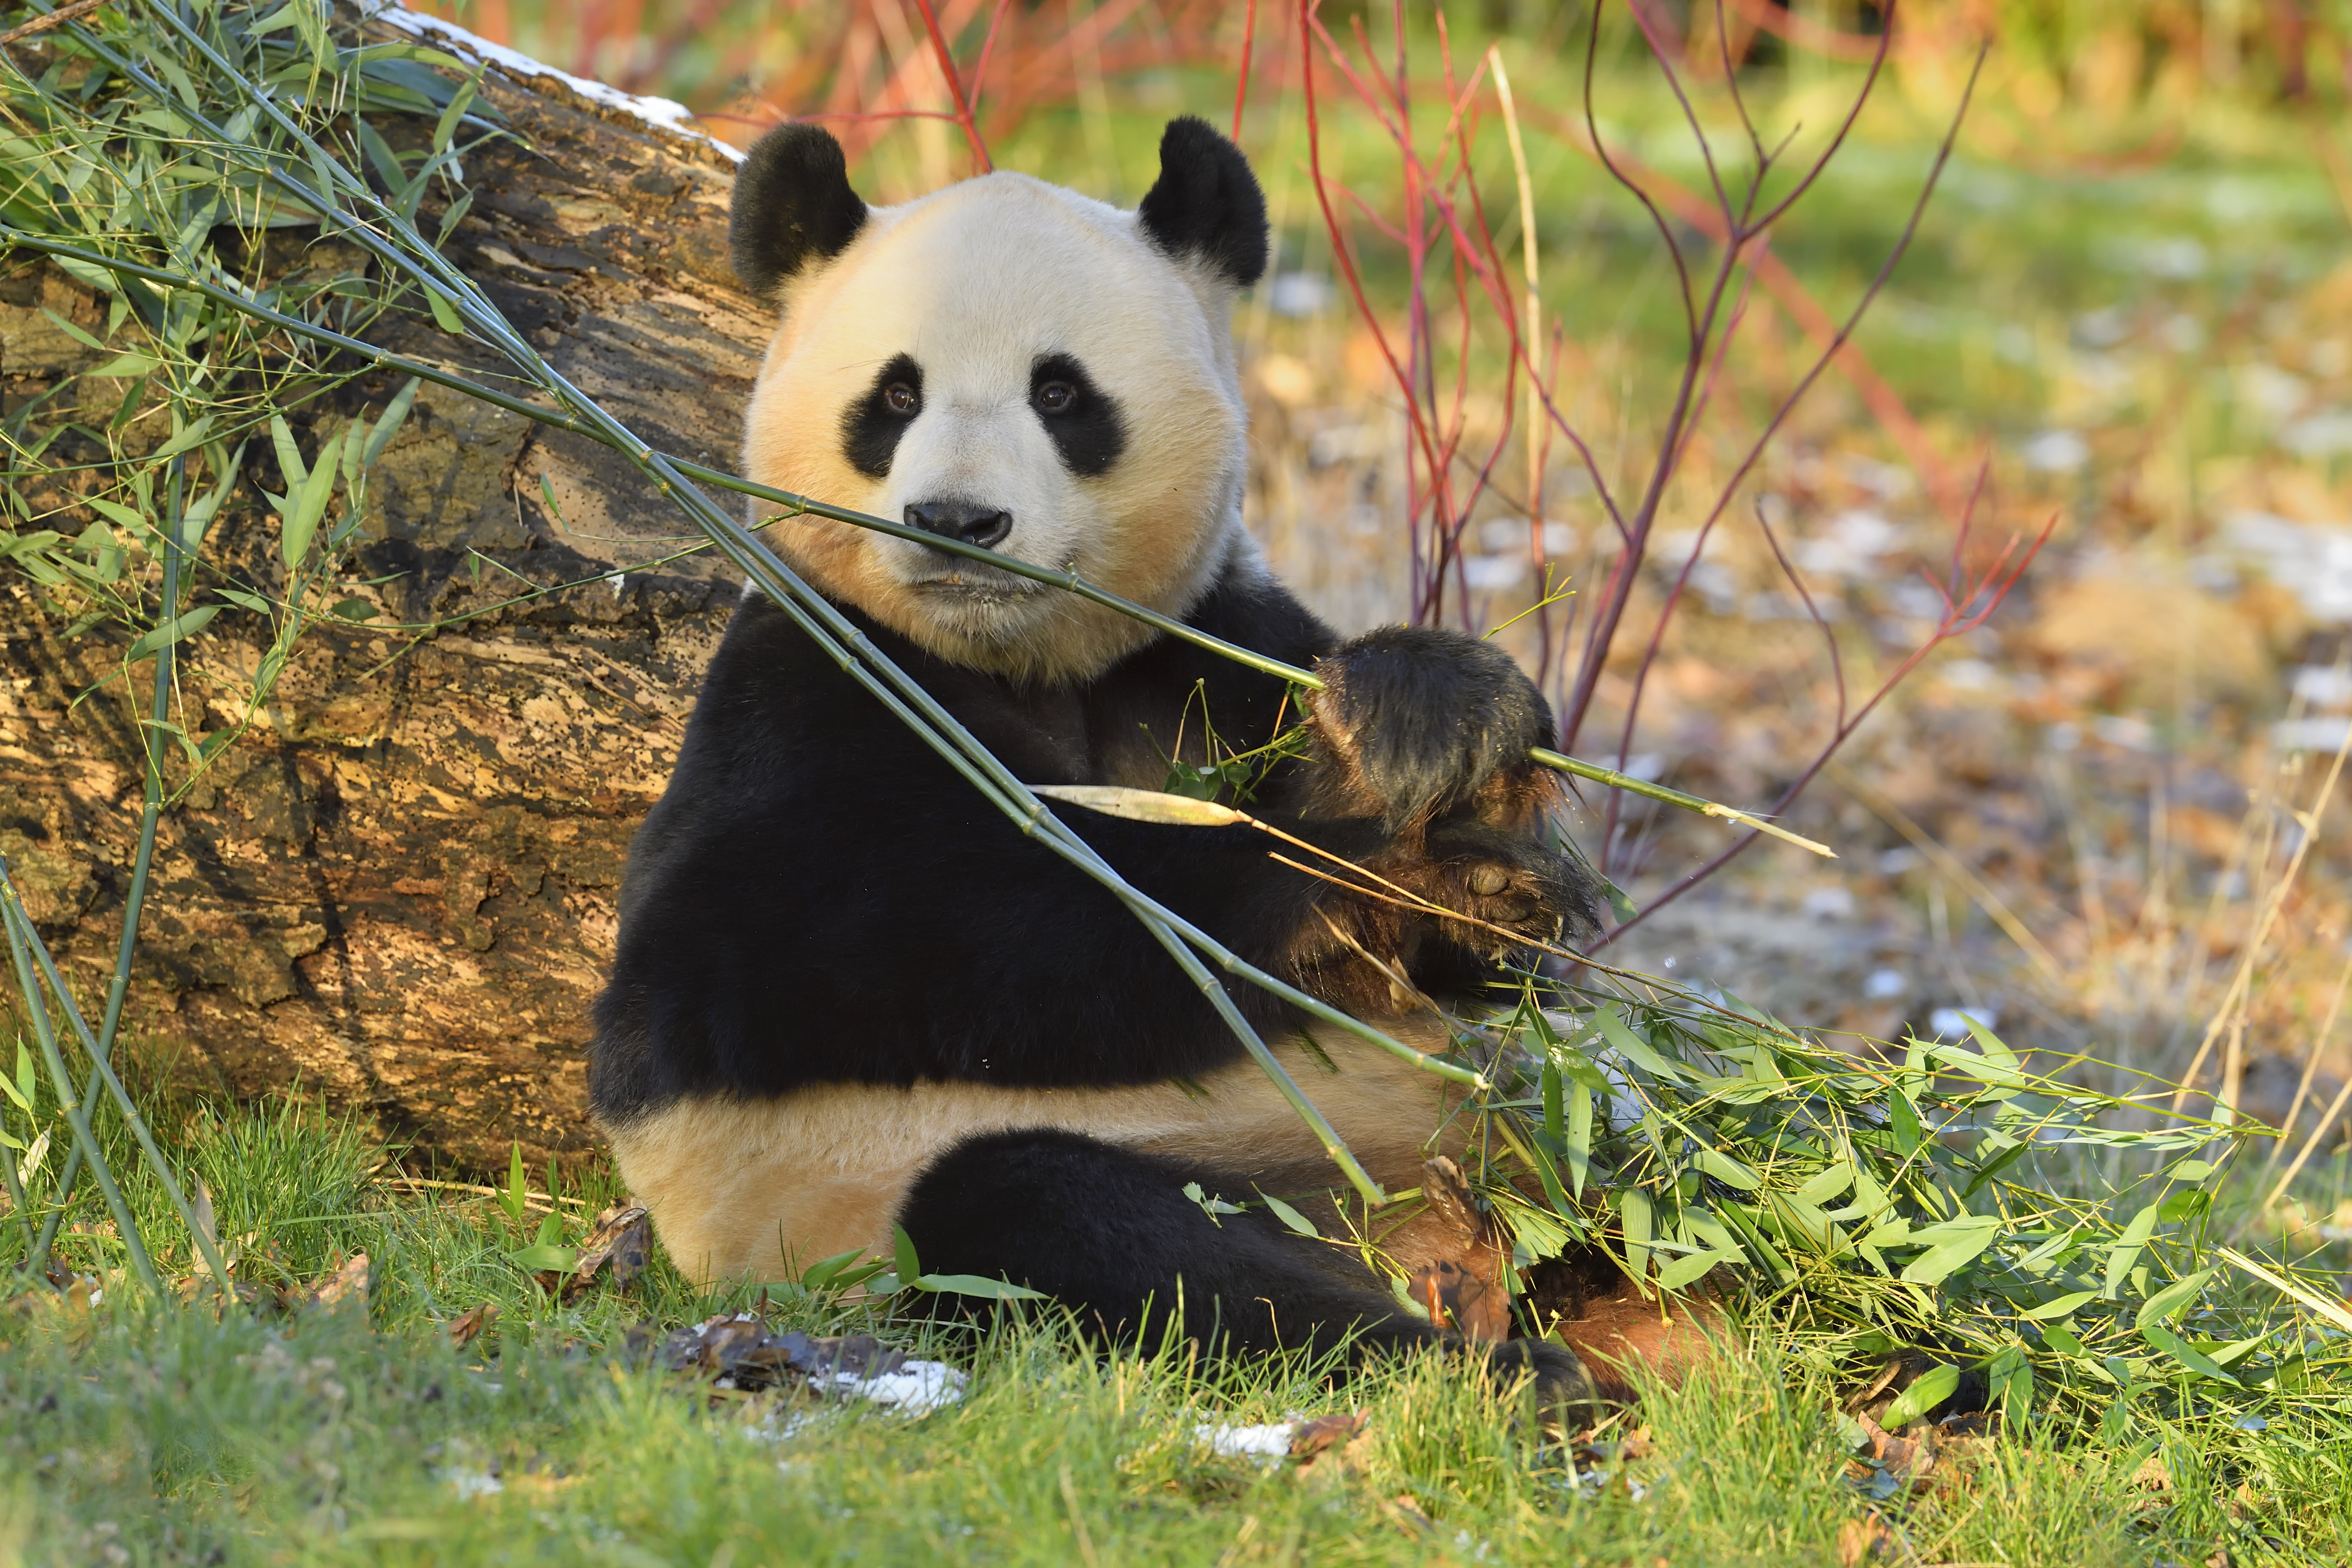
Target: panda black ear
[1207,203]
[793,206]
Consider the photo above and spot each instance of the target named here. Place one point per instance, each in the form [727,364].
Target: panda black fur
[848,993]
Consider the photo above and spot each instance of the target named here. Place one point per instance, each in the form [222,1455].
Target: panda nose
[967,521]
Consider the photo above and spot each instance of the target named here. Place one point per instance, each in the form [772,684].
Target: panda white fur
[848,993]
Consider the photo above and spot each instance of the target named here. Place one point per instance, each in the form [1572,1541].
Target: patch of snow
[1491,574]
[2309,734]
[917,1388]
[2056,452]
[1298,294]
[470,1483]
[1269,1445]
[1828,904]
[2322,685]
[660,112]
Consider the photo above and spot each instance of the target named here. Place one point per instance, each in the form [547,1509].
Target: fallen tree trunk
[399,893]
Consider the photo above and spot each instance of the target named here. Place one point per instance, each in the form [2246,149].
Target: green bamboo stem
[20,932]
[809,506]
[417,260]
[137,1123]
[941,730]
[150,810]
[16,1203]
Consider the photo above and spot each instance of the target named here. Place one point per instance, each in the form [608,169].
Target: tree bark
[399,893]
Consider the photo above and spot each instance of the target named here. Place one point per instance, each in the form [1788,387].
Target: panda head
[1010,363]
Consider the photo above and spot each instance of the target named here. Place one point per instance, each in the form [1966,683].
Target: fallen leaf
[2152,1475]
[1311,1437]
[1901,1457]
[620,1243]
[1861,1539]
[1406,1515]
[345,1288]
[469,1326]
[1464,1291]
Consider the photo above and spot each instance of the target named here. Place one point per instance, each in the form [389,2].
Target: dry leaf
[738,1349]
[346,1288]
[2152,1475]
[467,1327]
[1462,1291]
[1861,1539]
[1406,1515]
[1309,1439]
[620,1243]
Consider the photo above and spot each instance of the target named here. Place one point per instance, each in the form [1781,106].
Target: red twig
[987,49]
[955,86]
[1240,91]
[1988,594]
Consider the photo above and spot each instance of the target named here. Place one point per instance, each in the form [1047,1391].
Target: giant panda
[849,995]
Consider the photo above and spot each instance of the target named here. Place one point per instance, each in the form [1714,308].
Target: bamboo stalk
[150,810]
[201,1234]
[834,633]
[798,504]
[77,1114]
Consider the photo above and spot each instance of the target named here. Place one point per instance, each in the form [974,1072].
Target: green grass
[138,1434]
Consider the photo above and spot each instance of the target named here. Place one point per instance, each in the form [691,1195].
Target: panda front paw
[1507,881]
[1565,1393]
[1415,721]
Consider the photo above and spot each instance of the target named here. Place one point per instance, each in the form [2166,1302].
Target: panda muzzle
[969,523]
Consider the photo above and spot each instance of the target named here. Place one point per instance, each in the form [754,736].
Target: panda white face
[1014,365]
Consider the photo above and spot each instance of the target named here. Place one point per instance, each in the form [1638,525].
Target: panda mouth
[979,585]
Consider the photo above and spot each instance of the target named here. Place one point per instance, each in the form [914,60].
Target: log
[399,892]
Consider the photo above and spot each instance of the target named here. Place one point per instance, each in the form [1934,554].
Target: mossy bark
[399,890]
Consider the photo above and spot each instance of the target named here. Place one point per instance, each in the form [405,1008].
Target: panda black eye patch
[1081,417]
[870,427]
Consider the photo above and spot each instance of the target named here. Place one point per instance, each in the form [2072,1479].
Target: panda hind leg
[1110,1234]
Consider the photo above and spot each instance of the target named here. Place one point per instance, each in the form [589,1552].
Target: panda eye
[901,398]
[1057,396]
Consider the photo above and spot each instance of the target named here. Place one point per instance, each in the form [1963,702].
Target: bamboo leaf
[387,424]
[975,1285]
[1635,1209]
[1928,1390]
[70,329]
[1904,1118]
[1828,1185]
[1635,1049]
[1955,1244]
[2172,1298]
[910,1268]
[290,467]
[1685,1271]
[541,1259]
[187,439]
[2188,1355]
[179,628]
[1143,805]
[1731,1173]
[1577,1143]
[445,315]
[1290,1217]
[301,523]
[2126,1248]
[2061,1307]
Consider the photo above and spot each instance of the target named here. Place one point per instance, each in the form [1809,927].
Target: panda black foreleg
[1110,1233]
